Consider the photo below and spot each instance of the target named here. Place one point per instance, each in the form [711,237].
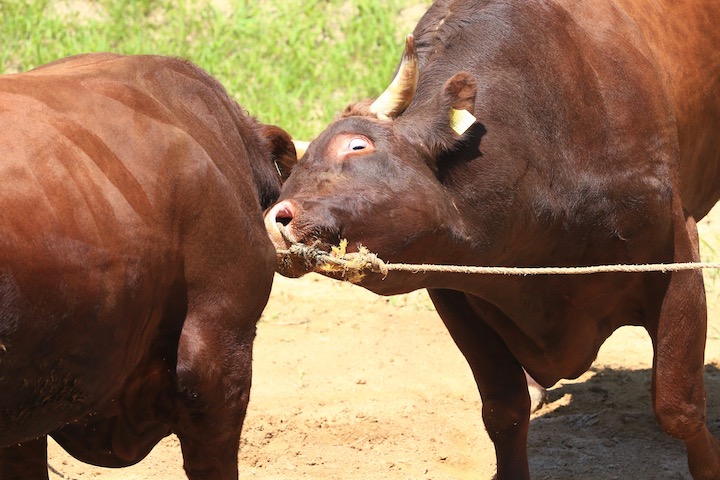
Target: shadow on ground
[603,427]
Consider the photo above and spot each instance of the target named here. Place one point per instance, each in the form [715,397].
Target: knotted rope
[354,265]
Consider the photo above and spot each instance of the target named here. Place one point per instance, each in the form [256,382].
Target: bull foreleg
[500,379]
[678,366]
[25,461]
[214,376]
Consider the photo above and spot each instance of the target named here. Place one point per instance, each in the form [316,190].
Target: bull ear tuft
[282,150]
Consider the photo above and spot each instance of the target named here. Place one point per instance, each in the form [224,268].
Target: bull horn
[399,94]
[300,148]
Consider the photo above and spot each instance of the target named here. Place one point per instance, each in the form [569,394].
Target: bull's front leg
[678,366]
[25,461]
[214,375]
[500,380]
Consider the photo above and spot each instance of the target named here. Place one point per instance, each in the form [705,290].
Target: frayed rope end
[352,266]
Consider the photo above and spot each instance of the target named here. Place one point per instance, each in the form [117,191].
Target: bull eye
[357,144]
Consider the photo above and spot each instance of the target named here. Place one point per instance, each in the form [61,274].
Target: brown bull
[597,141]
[133,262]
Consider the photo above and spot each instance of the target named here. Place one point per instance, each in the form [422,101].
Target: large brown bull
[133,262]
[597,141]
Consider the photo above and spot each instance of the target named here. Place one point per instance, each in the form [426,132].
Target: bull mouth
[298,254]
[338,263]
[299,259]
[290,261]
[291,248]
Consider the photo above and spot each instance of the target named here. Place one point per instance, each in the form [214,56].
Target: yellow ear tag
[461,120]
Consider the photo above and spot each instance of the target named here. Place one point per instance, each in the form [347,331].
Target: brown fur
[133,261]
[596,143]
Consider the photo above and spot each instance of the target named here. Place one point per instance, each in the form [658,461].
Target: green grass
[294,63]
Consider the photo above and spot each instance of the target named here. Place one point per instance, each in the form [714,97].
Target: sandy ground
[349,385]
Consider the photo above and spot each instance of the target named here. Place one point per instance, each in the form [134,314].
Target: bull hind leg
[25,461]
[500,380]
[678,365]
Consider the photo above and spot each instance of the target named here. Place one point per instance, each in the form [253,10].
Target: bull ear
[460,92]
[282,150]
[442,123]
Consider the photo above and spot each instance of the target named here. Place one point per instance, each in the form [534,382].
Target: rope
[353,265]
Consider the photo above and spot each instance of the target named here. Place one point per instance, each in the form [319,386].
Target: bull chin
[288,265]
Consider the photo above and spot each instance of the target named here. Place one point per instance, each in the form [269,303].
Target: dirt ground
[349,385]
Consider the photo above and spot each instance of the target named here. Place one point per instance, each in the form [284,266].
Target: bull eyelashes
[357,144]
[348,145]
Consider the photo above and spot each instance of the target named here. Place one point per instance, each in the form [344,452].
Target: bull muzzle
[277,225]
[276,219]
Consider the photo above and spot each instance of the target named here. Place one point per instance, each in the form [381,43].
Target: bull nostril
[277,223]
[282,213]
[283,216]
